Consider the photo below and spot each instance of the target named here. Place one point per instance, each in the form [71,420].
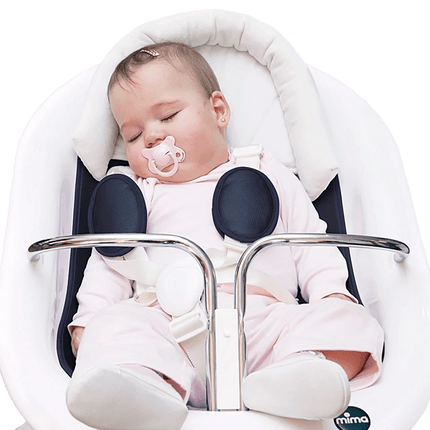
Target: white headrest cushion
[97,133]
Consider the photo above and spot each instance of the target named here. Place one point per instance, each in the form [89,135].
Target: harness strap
[248,156]
[190,328]
[136,266]
[225,266]
[190,331]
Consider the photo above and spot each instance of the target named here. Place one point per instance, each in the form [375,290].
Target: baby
[130,372]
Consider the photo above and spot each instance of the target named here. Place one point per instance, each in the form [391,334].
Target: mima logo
[353,419]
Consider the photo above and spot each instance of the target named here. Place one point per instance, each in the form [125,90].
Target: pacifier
[163,155]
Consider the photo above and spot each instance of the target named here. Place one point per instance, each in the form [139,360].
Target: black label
[353,419]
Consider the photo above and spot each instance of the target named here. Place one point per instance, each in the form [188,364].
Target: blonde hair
[173,53]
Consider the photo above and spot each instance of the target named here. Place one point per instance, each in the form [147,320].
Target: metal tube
[133,240]
[400,249]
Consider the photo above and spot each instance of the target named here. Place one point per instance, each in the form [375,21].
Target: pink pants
[129,333]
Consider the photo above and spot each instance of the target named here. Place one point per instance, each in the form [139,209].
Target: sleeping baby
[131,373]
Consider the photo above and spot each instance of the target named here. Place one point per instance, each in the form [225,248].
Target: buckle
[189,325]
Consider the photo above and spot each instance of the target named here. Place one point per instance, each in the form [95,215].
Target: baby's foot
[115,398]
[305,385]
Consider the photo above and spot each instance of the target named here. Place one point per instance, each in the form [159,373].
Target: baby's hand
[339,296]
[76,338]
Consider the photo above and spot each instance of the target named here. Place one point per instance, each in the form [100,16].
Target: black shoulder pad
[245,205]
[117,206]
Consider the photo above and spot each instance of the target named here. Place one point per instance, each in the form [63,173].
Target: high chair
[338,146]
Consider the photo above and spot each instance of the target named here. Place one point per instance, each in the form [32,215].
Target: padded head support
[96,136]
[117,206]
[245,205]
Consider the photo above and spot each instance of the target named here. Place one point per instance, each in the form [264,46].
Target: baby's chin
[179,176]
[182,175]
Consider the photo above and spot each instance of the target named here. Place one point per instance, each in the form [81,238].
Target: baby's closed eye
[169,117]
[134,138]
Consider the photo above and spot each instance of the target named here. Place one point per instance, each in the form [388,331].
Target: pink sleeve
[101,287]
[321,270]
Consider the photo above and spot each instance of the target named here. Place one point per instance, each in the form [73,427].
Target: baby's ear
[221,108]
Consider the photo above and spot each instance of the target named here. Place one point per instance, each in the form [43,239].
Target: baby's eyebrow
[165,103]
[125,125]
[156,106]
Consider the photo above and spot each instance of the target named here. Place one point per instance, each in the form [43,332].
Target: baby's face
[162,102]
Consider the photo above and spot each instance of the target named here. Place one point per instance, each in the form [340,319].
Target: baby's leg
[156,375]
[130,372]
[128,333]
[341,328]
[116,397]
[276,334]
[351,361]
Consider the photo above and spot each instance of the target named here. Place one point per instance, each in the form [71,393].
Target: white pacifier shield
[179,287]
[163,155]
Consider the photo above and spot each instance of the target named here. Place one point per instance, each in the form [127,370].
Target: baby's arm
[77,333]
[101,287]
[322,271]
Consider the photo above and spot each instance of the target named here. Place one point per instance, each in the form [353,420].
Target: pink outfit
[119,330]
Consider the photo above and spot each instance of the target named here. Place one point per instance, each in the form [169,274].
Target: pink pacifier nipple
[163,155]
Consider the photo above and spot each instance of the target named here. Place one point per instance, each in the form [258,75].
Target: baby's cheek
[139,165]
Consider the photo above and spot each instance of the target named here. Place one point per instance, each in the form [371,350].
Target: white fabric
[97,133]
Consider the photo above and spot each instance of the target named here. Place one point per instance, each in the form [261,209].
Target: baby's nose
[151,143]
[153,137]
